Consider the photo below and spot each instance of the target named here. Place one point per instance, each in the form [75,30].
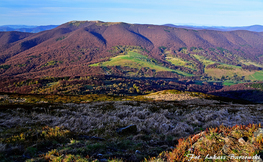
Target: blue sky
[179,12]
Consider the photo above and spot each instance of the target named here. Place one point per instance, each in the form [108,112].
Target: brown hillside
[13,36]
[77,44]
[7,39]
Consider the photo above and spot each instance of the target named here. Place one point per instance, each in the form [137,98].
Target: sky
[178,12]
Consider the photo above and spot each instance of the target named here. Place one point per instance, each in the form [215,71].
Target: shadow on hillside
[241,96]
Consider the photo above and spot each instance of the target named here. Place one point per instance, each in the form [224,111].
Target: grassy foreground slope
[157,130]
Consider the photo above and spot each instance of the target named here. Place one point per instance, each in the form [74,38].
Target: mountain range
[188,59]
[255,28]
[36,29]
[26,28]
[81,47]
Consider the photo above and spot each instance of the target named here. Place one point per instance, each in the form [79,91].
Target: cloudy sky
[179,12]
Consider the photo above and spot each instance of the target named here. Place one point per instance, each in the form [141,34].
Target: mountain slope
[10,37]
[75,45]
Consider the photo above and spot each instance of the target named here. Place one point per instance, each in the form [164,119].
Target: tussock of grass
[222,141]
[36,135]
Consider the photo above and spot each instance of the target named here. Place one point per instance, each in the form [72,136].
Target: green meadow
[204,60]
[180,62]
[136,60]
[256,76]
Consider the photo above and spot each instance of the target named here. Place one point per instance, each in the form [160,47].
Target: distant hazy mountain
[25,28]
[19,26]
[254,28]
[36,29]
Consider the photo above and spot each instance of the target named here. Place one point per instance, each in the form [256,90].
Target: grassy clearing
[250,63]
[227,66]
[231,70]
[229,83]
[226,70]
[210,62]
[180,62]
[203,60]
[136,60]
[256,76]
[257,85]
[218,73]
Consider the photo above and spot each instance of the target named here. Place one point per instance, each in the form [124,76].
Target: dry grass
[226,143]
[182,97]
[162,117]
[159,125]
[218,73]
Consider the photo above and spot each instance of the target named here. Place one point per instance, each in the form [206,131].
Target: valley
[114,91]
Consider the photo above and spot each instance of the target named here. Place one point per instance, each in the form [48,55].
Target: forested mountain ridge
[78,44]
[253,28]
[203,61]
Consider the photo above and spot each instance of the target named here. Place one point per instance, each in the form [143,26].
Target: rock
[99,155]
[241,141]
[225,149]
[137,152]
[258,160]
[131,129]
[261,157]
[258,132]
